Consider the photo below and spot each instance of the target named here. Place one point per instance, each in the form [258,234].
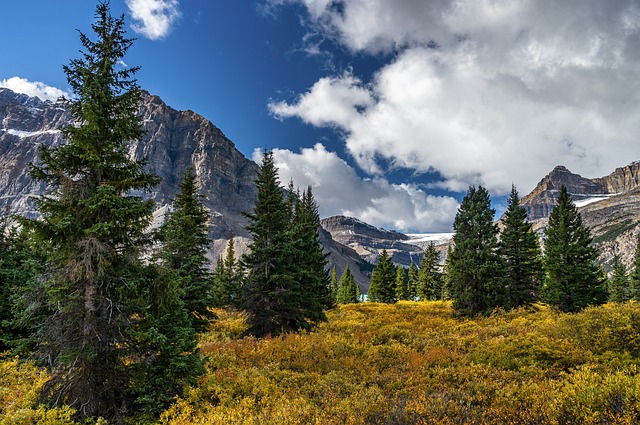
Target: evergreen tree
[310,260]
[93,231]
[412,276]
[619,290]
[165,347]
[521,253]
[184,247]
[475,270]
[383,277]
[282,290]
[634,278]
[572,281]
[347,290]
[334,284]
[19,269]
[402,284]
[226,279]
[446,283]
[429,279]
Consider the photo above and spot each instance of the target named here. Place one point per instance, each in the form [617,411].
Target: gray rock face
[614,220]
[369,241]
[173,140]
[540,202]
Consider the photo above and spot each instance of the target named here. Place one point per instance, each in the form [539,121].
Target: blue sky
[389,109]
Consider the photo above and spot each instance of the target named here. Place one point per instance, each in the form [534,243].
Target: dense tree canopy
[383,278]
[572,280]
[521,253]
[475,270]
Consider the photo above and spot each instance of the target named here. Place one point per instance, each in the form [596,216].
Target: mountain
[609,206]
[540,202]
[173,140]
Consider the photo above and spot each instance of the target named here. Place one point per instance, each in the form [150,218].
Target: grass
[411,363]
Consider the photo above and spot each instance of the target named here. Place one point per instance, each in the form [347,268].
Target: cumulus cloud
[154,19]
[33,88]
[482,92]
[338,190]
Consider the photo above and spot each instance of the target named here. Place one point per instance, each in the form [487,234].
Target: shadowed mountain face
[173,141]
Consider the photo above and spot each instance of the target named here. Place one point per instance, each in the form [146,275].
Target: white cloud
[482,92]
[339,190]
[154,18]
[33,88]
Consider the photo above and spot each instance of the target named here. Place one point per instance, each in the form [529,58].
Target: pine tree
[429,279]
[226,290]
[382,286]
[334,284]
[521,253]
[475,270]
[282,290]
[402,284]
[634,278]
[311,260]
[619,290]
[412,276]
[347,290]
[185,242]
[20,266]
[93,231]
[572,281]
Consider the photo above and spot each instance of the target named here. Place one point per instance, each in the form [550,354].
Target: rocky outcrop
[540,202]
[173,140]
[369,241]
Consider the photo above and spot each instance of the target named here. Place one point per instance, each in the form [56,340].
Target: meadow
[404,363]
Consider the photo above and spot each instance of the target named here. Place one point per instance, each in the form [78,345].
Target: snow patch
[23,134]
[593,199]
[425,238]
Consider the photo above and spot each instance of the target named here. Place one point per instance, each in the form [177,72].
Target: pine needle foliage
[429,285]
[185,242]
[475,270]
[286,287]
[619,290]
[348,292]
[113,318]
[634,277]
[383,278]
[572,280]
[520,250]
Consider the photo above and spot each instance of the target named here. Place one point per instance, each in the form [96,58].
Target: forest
[105,320]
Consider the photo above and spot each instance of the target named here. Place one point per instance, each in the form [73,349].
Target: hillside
[409,363]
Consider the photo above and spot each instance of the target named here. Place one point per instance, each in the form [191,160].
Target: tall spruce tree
[521,253]
[334,284]
[226,279]
[572,280]
[348,289]
[412,277]
[634,277]
[20,266]
[383,277]
[475,270]
[283,291]
[429,278]
[619,290]
[311,260]
[185,242]
[93,231]
[402,284]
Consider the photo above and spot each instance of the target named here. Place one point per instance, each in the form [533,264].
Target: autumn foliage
[407,363]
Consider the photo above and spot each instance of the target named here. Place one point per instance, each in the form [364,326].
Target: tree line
[494,265]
